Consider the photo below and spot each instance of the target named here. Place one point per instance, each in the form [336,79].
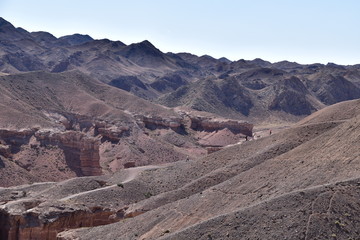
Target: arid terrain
[102,140]
[299,183]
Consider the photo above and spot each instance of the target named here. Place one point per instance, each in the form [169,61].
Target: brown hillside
[308,156]
[281,177]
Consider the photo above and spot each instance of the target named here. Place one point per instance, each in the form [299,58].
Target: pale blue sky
[305,31]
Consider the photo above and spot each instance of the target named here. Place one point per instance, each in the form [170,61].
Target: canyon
[103,140]
[171,201]
[79,146]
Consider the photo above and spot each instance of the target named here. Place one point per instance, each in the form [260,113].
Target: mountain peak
[76,39]
[4,23]
[224,60]
[146,43]
[148,47]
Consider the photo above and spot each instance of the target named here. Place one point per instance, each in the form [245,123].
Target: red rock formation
[13,139]
[153,122]
[5,150]
[213,149]
[82,151]
[209,124]
[21,221]
[110,132]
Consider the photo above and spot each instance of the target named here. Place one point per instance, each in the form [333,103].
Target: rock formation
[153,122]
[81,146]
[24,220]
[210,125]
[110,132]
[81,151]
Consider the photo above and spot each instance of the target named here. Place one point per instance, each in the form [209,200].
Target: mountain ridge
[156,76]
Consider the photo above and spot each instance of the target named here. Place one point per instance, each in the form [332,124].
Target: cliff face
[110,132]
[12,140]
[198,123]
[210,125]
[25,220]
[82,142]
[154,122]
[81,151]
[83,146]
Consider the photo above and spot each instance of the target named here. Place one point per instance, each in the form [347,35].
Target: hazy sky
[305,31]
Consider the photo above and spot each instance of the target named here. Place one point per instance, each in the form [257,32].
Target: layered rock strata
[82,151]
[110,132]
[154,122]
[25,220]
[210,124]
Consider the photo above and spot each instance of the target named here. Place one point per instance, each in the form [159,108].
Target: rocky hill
[252,90]
[54,126]
[299,183]
[103,140]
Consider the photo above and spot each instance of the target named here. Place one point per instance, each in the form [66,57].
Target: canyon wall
[24,220]
[210,124]
[81,151]
[197,123]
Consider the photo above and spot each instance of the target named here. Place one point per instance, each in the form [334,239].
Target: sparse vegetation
[148,194]
[340,224]
[120,185]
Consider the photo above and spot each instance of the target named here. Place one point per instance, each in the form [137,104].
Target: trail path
[132,173]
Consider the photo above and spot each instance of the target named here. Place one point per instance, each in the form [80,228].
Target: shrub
[148,194]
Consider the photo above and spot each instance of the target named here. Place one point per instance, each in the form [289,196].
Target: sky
[304,31]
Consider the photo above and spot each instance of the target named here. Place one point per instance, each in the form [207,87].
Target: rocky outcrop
[81,150]
[11,140]
[213,149]
[26,220]
[209,124]
[110,132]
[154,122]
[197,123]
[5,150]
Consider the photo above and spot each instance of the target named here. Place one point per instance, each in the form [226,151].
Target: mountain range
[253,90]
[103,140]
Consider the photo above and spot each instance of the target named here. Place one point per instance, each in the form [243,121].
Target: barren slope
[61,125]
[308,156]
[252,90]
[218,196]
